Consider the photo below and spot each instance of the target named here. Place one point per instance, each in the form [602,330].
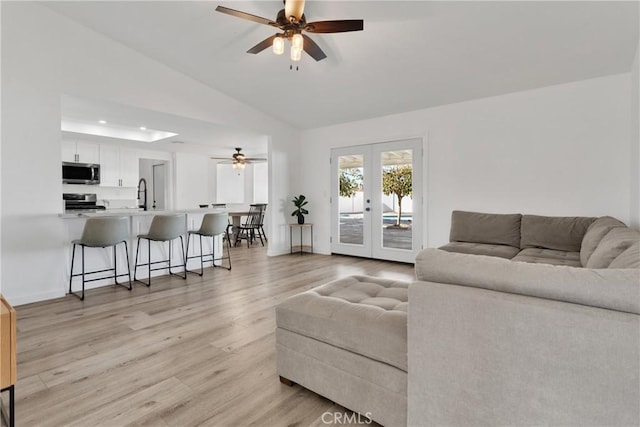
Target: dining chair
[252,225]
[264,211]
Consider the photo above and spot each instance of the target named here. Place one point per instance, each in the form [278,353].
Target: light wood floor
[200,352]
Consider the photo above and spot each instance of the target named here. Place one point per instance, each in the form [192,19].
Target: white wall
[44,56]
[635,142]
[192,187]
[230,184]
[560,150]
[260,183]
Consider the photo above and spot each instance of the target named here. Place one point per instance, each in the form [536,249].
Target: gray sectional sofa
[519,320]
[571,241]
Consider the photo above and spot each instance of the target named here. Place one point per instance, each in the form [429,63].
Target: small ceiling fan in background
[239,160]
[292,22]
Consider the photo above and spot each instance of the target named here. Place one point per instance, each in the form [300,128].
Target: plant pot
[300,219]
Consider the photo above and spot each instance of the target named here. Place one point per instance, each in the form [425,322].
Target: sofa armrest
[485,357]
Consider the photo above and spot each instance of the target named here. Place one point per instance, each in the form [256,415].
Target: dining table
[236,222]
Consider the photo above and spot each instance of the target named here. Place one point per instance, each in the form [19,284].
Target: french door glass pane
[397,202]
[351,203]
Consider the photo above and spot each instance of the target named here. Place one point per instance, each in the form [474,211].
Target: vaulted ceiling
[411,54]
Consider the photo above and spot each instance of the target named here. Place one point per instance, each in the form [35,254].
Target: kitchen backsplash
[115,197]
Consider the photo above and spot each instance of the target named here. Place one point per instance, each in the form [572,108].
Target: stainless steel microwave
[80,173]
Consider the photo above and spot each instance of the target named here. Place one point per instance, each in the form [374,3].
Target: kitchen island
[139,223]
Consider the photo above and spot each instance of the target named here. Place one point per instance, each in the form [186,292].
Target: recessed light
[143,128]
[102,122]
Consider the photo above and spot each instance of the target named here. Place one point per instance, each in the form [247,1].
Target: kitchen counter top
[134,212]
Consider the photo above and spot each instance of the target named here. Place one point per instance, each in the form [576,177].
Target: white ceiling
[192,135]
[411,55]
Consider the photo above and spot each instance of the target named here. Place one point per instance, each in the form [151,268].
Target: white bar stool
[102,232]
[164,228]
[213,224]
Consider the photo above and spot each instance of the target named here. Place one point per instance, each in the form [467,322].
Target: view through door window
[350,170]
[397,199]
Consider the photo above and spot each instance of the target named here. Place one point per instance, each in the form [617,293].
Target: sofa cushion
[554,232]
[616,241]
[548,256]
[628,259]
[476,227]
[364,315]
[502,251]
[596,231]
[615,289]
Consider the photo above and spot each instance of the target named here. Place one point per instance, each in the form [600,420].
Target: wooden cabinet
[80,152]
[7,344]
[8,363]
[118,166]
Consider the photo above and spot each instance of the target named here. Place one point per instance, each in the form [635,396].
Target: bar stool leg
[149,249]
[126,251]
[187,257]
[170,244]
[135,268]
[228,253]
[115,265]
[184,258]
[83,273]
[73,256]
[201,260]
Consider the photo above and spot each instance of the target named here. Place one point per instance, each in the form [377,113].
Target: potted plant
[299,202]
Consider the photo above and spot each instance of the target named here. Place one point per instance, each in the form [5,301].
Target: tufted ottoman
[347,341]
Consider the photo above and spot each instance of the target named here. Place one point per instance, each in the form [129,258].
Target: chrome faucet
[144,192]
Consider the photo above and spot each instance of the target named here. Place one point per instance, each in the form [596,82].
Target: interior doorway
[376,200]
[155,172]
[158,186]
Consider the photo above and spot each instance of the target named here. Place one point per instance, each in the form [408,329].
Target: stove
[80,202]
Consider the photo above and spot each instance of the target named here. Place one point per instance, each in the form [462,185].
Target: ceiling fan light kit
[292,22]
[278,45]
[238,160]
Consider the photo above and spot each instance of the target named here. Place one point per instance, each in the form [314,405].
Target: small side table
[301,248]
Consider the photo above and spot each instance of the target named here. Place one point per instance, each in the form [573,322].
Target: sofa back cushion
[614,289]
[596,231]
[612,245]
[562,233]
[476,227]
[628,259]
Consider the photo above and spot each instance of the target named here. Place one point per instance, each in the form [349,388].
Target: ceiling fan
[238,159]
[292,22]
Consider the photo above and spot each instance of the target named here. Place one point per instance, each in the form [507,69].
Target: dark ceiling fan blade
[247,16]
[313,49]
[255,159]
[263,44]
[341,26]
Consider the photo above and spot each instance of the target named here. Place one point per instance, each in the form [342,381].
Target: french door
[376,200]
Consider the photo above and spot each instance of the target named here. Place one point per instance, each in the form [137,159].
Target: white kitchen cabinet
[129,168]
[80,152]
[109,165]
[118,166]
